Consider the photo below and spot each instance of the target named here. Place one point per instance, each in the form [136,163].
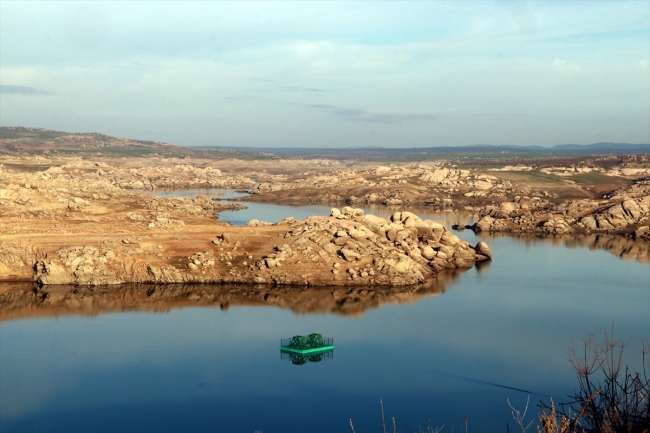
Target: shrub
[611,397]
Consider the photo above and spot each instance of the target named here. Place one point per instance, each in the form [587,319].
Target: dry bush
[611,398]
[550,422]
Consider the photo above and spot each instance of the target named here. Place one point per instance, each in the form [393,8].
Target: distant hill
[604,148]
[44,141]
[21,140]
[596,148]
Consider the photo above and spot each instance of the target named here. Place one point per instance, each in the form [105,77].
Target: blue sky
[330,74]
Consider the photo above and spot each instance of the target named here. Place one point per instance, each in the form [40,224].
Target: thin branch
[383,420]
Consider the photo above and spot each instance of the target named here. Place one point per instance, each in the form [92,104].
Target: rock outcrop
[625,211]
[346,248]
[391,186]
[618,216]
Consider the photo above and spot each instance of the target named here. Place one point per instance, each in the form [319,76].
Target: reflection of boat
[298,359]
[313,348]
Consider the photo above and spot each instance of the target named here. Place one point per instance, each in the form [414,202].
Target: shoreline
[347,248]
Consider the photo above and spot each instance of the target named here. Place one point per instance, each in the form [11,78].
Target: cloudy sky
[330,74]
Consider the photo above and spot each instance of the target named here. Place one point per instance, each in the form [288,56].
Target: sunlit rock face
[83,223]
[346,248]
[625,211]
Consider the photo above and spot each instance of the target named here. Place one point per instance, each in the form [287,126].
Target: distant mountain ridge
[616,148]
[16,138]
[633,148]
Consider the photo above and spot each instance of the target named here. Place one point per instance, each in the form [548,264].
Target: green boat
[309,345]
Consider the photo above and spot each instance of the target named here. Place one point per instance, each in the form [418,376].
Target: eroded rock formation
[82,223]
[346,248]
[625,211]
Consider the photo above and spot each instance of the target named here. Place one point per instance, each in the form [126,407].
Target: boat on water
[312,348]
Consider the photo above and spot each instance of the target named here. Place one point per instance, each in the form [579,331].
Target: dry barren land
[90,218]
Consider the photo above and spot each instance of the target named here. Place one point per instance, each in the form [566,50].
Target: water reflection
[273,212]
[483,266]
[298,359]
[26,300]
[66,366]
[504,328]
[637,250]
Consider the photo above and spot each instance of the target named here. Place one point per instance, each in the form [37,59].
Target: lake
[489,334]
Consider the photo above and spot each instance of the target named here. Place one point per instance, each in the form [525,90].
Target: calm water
[495,334]
[274,213]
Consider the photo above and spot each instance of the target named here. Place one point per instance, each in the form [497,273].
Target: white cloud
[565,67]
[20,75]
[307,48]
[250,69]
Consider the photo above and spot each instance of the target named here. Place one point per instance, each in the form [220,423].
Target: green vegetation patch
[597,178]
[527,177]
[19,132]
[29,167]
[125,151]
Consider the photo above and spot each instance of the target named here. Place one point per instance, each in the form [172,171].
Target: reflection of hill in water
[626,248]
[25,300]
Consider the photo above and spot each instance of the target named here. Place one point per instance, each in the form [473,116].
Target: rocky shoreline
[346,248]
[85,223]
[67,220]
[626,211]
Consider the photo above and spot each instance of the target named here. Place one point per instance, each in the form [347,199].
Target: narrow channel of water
[273,213]
[495,333]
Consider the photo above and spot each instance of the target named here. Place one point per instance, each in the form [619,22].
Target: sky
[330,74]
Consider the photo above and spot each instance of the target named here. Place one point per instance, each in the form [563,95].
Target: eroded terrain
[93,219]
[624,211]
[85,223]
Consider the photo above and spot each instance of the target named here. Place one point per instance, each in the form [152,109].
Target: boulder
[382,170]
[48,272]
[483,249]
[350,255]
[484,224]
[428,252]
[632,209]
[409,222]
[589,222]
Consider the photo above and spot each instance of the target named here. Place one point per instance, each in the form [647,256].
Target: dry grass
[550,422]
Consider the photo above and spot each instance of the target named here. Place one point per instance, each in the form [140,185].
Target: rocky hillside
[86,223]
[624,211]
[346,248]
[15,140]
[19,139]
